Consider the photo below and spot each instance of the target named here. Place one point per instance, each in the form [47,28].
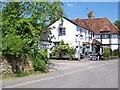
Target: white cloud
[70,4]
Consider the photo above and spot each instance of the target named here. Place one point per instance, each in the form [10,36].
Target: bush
[21,74]
[107,52]
[63,49]
[40,61]
[39,65]
[115,52]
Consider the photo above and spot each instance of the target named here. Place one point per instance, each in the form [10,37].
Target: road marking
[52,77]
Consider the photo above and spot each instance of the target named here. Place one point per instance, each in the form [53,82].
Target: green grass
[8,76]
[21,74]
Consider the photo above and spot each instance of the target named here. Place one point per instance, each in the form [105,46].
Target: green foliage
[21,74]
[62,42]
[63,49]
[22,24]
[116,52]
[13,45]
[39,65]
[40,61]
[107,52]
[71,51]
[0,43]
[117,23]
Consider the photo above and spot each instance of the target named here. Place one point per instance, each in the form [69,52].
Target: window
[97,36]
[44,45]
[105,35]
[62,31]
[76,40]
[80,30]
[89,32]
[56,43]
[114,36]
[85,38]
[60,25]
[90,38]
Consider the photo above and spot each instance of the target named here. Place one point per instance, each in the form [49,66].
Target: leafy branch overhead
[22,24]
[25,21]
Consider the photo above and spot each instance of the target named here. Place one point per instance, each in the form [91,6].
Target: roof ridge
[86,25]
[93,18]
[82,23]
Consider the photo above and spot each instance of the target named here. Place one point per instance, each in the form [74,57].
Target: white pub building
[95,33]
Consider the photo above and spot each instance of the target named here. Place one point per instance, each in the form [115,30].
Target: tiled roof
[97,24]
[105,28]
[80,22]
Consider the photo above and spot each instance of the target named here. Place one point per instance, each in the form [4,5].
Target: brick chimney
[90,15]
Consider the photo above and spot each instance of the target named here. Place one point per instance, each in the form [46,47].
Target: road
[72,74]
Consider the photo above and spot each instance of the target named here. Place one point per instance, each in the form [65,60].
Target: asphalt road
[72,74]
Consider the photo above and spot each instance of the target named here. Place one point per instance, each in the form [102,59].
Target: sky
[75,10]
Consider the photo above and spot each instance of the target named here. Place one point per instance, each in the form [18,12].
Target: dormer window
[105,32]
[105,35]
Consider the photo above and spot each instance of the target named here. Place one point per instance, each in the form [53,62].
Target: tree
[22,24]
[107,52]
[117,23]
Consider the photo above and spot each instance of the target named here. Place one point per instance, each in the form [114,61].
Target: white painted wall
[113,47]
[114,40]
[105,41]
[71,32]
[119,40]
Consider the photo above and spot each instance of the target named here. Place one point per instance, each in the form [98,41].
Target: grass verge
[21,74]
